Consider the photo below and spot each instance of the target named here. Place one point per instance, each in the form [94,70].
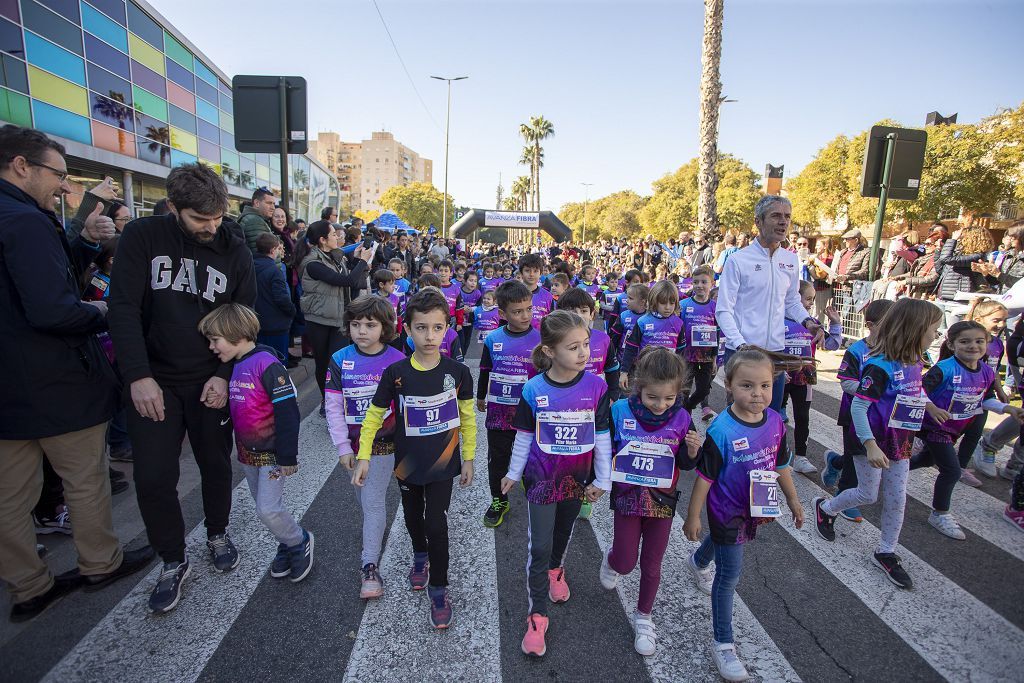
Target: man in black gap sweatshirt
[171,271]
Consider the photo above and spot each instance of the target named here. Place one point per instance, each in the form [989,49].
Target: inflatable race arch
[486,218]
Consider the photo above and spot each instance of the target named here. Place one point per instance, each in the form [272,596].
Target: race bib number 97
[426,415]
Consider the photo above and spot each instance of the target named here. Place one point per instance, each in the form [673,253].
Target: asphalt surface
[805,609]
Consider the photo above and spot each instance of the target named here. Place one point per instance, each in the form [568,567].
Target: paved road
[806,610]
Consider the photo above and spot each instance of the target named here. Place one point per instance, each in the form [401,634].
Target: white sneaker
[609,577]
[646,641]
[916,448]
[946,525]
[802,465]
[703,578]
[729,665]
[984,460]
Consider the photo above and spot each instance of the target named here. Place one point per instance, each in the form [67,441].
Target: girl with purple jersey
[604,361]
[888,409]
[486,317]
[661,326]
[991,315]
[561,453]
[964,386]
[588,280]
[352,378]
[701,338]
[653,438]
[741,467]
[471,295]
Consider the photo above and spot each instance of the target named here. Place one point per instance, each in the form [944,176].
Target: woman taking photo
[966,246]
[327,286]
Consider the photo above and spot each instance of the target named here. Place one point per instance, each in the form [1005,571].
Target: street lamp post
[447,122]
[586,200]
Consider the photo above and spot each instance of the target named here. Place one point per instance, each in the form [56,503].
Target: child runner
[562,424]
[800,342]
[607,297]
[559,285]
[992,316]
[840,468]
[265,414]
[619,305]
[384,284]
[488,281]
[700,337]
[653,438]
[452,293]
[661,326]
[505,366]
[434,395]
[352,379]
[402,285]
[964,386]
[741,467]
[470,298]
[637,297]
[543,301]
[888,409]
[588,280]
[604,361]
[450,346]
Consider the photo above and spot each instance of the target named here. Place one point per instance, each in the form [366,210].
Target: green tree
[418,204]
[1006,129]
[616,215]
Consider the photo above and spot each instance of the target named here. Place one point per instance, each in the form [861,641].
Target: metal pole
[282,91]
[586,201]
[444,200]
[883,195]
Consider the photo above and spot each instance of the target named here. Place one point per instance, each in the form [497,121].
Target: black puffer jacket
[956,274]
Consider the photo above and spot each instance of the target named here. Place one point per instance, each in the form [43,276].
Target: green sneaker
[495,514]
[585,510]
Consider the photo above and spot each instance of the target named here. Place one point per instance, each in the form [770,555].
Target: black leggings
[426,518]
[801,416]
[499,453]
[703,375]
[1017,491]
[465,336]
[944,456]
[325,340]
[851,447]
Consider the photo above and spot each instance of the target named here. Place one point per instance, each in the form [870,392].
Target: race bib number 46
[566,432]
[645,464]
[907,413]
[426,415]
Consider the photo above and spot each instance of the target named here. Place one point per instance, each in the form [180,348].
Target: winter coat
[274,305]
[253,225]
[956,275]
[857,267]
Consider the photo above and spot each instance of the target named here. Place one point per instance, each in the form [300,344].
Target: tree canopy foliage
[418,204]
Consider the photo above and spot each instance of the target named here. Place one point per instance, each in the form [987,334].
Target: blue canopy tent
[389,222]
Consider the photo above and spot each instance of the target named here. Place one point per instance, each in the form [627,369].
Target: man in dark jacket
[59,390]
[255,218]
[274,305]
[404,253]
[171,271]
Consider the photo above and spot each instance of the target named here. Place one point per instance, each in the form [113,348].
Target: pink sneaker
[533,641]
[707,414]
[1014,517]
[558,589]
[968,477]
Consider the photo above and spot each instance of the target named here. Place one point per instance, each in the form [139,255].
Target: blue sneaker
[830,473]
[419,573]
[301,557]
[440,608]
[282,564]
[852,515]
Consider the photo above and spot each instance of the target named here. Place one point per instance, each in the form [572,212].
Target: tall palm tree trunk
[710,101]
[536,174]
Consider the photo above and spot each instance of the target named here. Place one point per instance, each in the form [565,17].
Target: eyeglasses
[802,244]
[122,219]
[61,175]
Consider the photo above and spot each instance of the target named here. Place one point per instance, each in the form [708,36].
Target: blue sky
[619,80]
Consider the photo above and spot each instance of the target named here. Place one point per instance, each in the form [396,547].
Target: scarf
[647,417]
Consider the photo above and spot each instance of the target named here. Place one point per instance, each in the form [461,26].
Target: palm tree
[159,135]
[520,189]
[542,130]
[510,204]
[710,101]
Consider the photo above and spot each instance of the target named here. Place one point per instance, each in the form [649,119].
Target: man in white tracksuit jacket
[760,288]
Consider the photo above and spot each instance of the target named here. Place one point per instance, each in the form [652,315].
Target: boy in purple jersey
[265,415]
[384,285]
[606,299]
[352,378]
[471,294]
[488,281]
[402,285]
[604,361]
[562,453]
[652,438]
[505,367]
[452,291]
[964,386]
[542,300]
[661,326]
[588,280]
[486,317]
[742,465]
[888,409]
[634,306]
[840,468]
[700,340]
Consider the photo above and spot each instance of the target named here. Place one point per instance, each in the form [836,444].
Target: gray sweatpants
[372,497]
[269,496]
[893,485]
[549,529]
[1005,432]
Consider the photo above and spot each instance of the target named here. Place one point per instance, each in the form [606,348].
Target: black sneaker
[282,564]
[117,487]
[60,523]
[115,475]
[890,564]
[495,514]
[302,558]
[131,562]
[823,522]
[33,607]
[167,592]
[225,555]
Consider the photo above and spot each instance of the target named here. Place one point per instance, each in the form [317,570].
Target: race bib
[799,347]
[357,402]
[505,389]
[964,406]
[764,494]
[993,363]
[482,335]
[645,464]
[425,415]
[908,413]
[704,336]
[565,432]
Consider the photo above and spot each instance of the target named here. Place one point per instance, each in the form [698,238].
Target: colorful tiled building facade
[131,98]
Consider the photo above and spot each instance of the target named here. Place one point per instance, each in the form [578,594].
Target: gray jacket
[326,292]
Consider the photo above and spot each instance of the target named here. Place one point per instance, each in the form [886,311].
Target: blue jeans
[278,342]
[778,386]
[117,432]
[728,564]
